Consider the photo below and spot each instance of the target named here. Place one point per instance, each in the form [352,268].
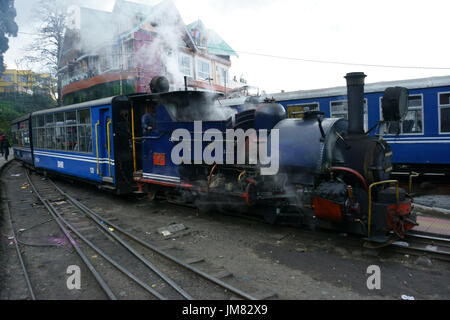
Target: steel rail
[109,259]
[91,268]
[19,254]
[414,247]
[100,252]
[445,253]
[163,276]
[160,252]
[428,237]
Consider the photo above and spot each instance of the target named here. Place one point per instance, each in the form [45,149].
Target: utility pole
[121,66]
[226,73]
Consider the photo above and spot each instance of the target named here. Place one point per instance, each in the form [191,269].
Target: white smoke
[161,54]
[219,112]
[99,33]
[156,51]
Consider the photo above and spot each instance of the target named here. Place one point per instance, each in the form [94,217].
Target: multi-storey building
[119,52]
[25,81]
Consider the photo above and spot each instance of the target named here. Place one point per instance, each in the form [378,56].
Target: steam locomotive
[322,172]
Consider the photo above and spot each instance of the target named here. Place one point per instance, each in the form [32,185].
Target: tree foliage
[14,105]
[46,49]
[8,27]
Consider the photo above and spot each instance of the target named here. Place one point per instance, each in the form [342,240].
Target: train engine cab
[157,119]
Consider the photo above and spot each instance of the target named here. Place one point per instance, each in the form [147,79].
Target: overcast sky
[380,32]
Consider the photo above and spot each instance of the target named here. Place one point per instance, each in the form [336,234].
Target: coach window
[50,131]
[35,131]
[339,109]
[41,132]
[84,131]
[25,134]
[60,132]
[71,131]
[14,136]
[41,121]
[19,135]
[412,124]
[413,120]
[444,112]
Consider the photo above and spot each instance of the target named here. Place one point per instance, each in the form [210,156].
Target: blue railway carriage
[21,140]
[421,142]
[87,141]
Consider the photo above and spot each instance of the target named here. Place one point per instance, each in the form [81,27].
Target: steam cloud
[153,55]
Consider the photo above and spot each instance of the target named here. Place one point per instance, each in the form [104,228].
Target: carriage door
[105,140]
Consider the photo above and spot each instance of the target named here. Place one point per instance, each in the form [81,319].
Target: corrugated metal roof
[368,88]
[215,44]
[410,84]
[22,118]
[99,102]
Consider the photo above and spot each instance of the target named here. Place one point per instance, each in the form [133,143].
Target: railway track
[82,224]
[434,245]
[88,232]
[19,253]
[417,243]
[13,237]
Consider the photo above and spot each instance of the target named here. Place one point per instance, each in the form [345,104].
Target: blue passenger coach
[80,141]
[421,142]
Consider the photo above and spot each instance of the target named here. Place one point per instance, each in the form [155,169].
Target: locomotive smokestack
[355,97]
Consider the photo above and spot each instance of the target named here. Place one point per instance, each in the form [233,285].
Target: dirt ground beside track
[292,263]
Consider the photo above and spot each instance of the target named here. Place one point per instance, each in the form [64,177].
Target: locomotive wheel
[270,216]
[204,207]
[152,195]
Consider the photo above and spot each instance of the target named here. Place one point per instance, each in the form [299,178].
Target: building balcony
[84,81]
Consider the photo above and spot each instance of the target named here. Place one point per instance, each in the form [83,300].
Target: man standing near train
[149,121]
[5,147]
[2,137]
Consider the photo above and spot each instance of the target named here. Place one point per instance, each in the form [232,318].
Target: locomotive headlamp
[395,103]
